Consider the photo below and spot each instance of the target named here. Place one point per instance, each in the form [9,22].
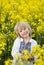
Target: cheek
[20,34]
[29,31]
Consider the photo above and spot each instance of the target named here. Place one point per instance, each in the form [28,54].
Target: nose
[23,31]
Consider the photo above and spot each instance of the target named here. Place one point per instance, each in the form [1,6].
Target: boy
[23,41]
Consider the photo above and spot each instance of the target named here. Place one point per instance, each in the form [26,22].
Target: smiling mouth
[25,33]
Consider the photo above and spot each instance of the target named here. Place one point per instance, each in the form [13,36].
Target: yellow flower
[8,62]
[25,54]
[26,57]
[28,62]
[17,56]
[0,52]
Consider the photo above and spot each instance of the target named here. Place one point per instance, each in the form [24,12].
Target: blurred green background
[13,11]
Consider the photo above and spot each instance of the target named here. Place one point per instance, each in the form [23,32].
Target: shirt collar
[22,39]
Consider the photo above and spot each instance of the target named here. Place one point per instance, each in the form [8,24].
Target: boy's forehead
[22,27]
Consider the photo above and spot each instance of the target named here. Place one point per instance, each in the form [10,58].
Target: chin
[25,36]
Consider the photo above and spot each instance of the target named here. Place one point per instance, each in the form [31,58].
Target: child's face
[24,32]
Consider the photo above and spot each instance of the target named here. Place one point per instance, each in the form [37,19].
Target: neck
[26,40]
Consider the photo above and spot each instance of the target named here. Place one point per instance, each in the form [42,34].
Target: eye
[20,30]
[24,28]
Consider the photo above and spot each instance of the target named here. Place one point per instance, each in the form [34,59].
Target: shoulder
[34,42]
[16,41]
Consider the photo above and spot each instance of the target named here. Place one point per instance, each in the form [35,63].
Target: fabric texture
[24,46]
[19,46]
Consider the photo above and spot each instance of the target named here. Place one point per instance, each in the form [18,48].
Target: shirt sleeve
[35,57]
[15,48]
[34,43]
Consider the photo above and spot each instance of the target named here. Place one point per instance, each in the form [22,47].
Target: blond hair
[20,25]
